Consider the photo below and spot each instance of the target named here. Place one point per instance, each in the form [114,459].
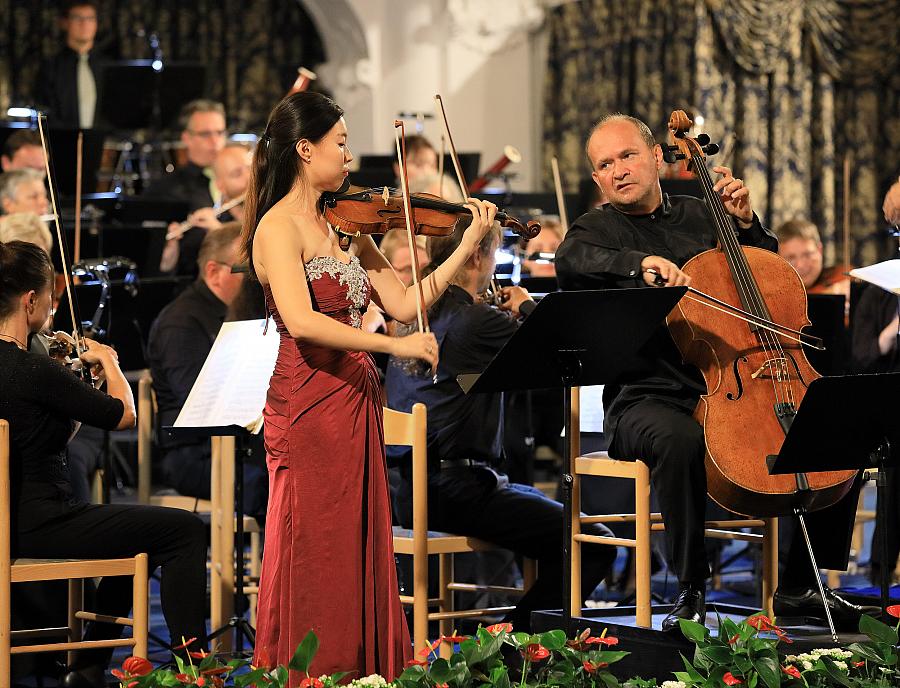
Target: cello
[756,377]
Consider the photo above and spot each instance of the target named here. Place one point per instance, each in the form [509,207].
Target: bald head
[232,170]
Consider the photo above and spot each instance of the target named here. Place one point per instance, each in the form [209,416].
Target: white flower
[807,665]
[370,681]
[841,665]
[673,684]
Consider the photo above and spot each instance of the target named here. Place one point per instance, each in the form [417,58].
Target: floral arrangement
[741,654]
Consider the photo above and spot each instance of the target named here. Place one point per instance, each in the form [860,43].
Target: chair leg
[420,601]
[446,577]
[770,565]
[255,567]
[644,613]
[575,602]
[76,602]
[529,573]
[141,611]
[5,623]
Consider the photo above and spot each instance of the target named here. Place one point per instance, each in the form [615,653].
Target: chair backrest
[5,560]
[411,430]
[146,420]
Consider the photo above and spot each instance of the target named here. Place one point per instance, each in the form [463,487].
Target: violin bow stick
[441,166]
[453,156]
[399,136]
[79,147]
[560,199]
[79,348]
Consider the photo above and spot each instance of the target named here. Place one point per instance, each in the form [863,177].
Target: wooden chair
[222,546]
[645,522]
[72,570]
[409,429]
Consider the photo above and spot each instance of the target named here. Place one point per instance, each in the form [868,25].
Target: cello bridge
[776,367]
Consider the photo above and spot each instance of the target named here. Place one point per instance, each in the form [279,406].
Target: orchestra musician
[23,191]
[547,241]
[468,494]
[68,84]
[800,245]
[23,149]
[421,160]
[640,237]
[41,400]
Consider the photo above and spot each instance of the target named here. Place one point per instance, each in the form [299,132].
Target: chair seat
[438,542]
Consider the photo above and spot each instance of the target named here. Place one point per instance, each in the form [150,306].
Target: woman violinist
[328,564]
[42,400]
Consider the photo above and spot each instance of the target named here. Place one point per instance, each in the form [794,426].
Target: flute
[182,229]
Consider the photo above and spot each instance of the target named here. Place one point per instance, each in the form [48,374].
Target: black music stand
[237,622]
[861,411]
[580,338]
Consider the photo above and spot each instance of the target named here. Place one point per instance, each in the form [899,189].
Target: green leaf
[717,654]
[769,671]
[522,639]
[691,671]
[281,674]
[553,640]
[753,680]
[834,672]
[877,631]
[607,678]
[500,677]
[305,652]
[693,631]
[440,670]
[866,651]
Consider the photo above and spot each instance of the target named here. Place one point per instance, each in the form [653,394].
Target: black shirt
[57,87]
[604,248]
[40,399]
[875,310]
[180,340]
[460,426]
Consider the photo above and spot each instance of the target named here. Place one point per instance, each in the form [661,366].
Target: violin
[755,368]
[372,212]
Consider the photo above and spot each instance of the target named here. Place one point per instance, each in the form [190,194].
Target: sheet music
[591,409]
[232,385]
[885,275]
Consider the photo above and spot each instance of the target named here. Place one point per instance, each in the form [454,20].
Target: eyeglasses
[87,18]
[805,256]
[209,135]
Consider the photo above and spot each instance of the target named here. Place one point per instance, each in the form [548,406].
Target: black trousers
[174,540]
[671,442]
[477,502]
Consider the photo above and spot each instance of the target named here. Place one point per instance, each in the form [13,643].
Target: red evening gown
[329,562]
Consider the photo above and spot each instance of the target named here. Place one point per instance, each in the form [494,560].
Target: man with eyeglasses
[68,84]
[180,340]
[203,135]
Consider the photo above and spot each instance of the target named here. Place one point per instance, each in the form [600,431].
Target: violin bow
[61,240]
[560,199]
[79,147]
[421,315]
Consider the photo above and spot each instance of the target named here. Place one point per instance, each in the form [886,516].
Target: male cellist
[639,239]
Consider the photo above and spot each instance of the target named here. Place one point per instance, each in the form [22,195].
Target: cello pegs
[711,148]
[703,139]
[669,153]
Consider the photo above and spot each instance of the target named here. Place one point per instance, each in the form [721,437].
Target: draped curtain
[789,87]
[251,48]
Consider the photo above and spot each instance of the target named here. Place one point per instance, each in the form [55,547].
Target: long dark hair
[276,165]
[23,267]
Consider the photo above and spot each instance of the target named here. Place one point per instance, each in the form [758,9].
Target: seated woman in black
[42,400]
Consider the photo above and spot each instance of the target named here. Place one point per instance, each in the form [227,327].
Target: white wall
[486,59]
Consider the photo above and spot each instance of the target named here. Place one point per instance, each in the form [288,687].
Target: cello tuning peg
[669,153]
[711,148]
[702,139]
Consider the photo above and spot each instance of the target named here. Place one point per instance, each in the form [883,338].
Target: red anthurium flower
[215,671]
[731,680]
[536,652]
[733,639]
[199,655]
[591,667]
[185,643]
[184,678]
[425,651]
[137,666]
[859,664]
[310,682]
[454,638]
[200,682]
[118,674]
[762,623]
[499,628]
[441,685]
[605,640]
[791,671]
[894,610]
[416,662]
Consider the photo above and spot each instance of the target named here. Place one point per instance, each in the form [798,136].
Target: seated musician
[467,493]
[41,400]
[180,340]
[800,245]
[23,149]
[26,227]
[203,135]
[651,417]
[23,191]
[421,160]
[547,241]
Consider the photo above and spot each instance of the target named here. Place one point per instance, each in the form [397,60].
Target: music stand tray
[861,412]
[578,338]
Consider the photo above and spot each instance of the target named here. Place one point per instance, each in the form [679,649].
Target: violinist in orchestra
[421,160]
[328,527]
[640,238]
[23,191]
[468,491]
[42,400]
[68,85]
[23,150]
[26,227]
[800,245]
[546,242]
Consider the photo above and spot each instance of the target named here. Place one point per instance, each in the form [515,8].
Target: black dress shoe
[75,679]
[690,604]
[806,605]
